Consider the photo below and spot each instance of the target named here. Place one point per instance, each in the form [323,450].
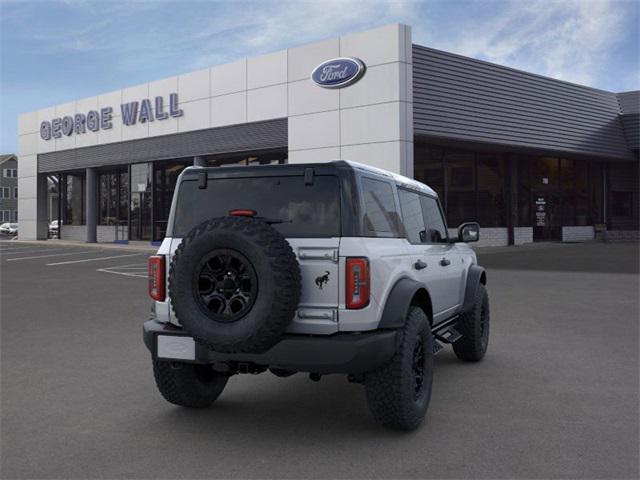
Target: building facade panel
[530,158]
[461,98]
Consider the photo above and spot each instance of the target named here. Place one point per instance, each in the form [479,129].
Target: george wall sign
[339,72]
[94,120]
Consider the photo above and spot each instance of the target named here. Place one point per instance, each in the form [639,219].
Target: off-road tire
[392,395]
[278,284]
[188,385]
[474,328]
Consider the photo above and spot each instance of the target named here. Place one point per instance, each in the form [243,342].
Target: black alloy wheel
[226,285]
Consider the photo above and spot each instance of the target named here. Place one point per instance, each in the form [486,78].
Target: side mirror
[469,232]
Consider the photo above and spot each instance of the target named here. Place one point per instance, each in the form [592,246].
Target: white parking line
[126,274]
[40,250]
[20,249]
[52,255]
[92,259]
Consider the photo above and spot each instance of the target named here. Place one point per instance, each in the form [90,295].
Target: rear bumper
[338,353]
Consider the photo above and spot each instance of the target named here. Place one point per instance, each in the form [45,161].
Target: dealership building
[530,158]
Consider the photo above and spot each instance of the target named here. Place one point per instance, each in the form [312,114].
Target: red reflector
[156,277]
[358,286]
[241,212]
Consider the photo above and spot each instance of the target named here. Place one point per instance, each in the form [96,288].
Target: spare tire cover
[234,284]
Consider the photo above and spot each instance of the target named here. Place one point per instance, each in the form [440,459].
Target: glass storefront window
[73,199]
[596,188]
[112,194]
[140,202]
[460,191]
[581,172]
[491,198]
[428,167]
[523,165]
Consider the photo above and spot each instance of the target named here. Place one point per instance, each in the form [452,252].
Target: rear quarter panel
[389,261]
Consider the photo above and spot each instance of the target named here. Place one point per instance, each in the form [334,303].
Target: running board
[446,333]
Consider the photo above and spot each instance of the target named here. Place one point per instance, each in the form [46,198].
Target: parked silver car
[9,229]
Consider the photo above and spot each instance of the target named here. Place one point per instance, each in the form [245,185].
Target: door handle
[419,265]
[444,262]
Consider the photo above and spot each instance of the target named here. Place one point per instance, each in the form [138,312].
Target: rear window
[306,210]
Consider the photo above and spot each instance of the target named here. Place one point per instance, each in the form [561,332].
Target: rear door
[306,211]
[432,255]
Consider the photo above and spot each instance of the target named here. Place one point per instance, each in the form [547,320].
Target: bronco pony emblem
[322,279]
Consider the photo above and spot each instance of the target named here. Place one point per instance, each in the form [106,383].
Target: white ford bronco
[321,268]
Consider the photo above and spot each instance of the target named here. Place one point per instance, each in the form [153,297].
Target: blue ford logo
[338,73]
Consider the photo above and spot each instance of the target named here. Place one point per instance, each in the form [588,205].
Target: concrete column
[91,207]
[42,215]
[199,162]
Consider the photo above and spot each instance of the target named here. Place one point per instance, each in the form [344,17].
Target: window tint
[305,210]
[436,229]
[412,216]
[380,215]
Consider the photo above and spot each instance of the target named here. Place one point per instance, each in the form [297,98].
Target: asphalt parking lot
[556,396]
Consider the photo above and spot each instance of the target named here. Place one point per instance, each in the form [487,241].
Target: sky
[55,51]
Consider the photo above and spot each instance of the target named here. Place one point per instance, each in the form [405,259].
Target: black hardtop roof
[281,169]
[293,169]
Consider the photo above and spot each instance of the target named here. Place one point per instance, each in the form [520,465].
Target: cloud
[569,40]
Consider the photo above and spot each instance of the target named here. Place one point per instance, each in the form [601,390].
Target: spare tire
[234,284]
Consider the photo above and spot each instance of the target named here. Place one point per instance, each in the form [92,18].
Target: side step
[445,333]
[449,335]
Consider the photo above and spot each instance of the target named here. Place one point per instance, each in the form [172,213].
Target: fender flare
[475,277]
[398,302]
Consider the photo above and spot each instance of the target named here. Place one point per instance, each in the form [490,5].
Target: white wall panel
[131,94]
[388,155]
[46,145]
[229,78]
[266,103]
[163,127]
[194,85]
[314,155]
[27,166]
[314,130]
[303,59]
[111,99]
[229,109]
[380,84]
[374,47]
[91,103]
[267,70]
[306,97]
[162,88]
[196,115]
[28,144]
[131,132]
[113,134]
[370,124]
[28,123]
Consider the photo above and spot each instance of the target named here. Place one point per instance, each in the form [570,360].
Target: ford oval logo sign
[338,73]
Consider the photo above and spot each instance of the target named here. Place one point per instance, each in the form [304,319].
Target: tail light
[156,277]
[358,286]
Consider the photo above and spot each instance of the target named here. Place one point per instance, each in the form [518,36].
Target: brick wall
[522,235]
[489,237]
[613,236]
[74,232]
[577,234]
[107,233]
